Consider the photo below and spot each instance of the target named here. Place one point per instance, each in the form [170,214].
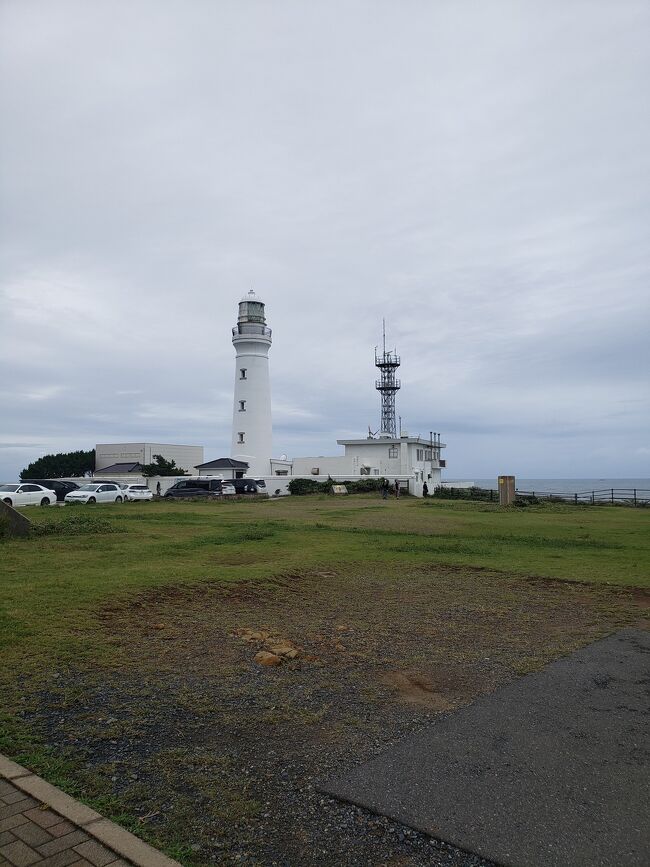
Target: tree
[162,467]
[60,465]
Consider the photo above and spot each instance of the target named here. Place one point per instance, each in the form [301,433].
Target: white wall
[325,465]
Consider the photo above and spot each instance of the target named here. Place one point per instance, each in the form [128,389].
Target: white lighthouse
[251,416]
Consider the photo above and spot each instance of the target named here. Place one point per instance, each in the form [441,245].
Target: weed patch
[75,524]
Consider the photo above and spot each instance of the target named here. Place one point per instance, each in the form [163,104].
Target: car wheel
[91,500]
[7,501]
[45,502]
[118,499]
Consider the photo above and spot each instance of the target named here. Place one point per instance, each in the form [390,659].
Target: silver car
[96,492]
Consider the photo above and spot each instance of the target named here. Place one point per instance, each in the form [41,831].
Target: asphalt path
[549,771]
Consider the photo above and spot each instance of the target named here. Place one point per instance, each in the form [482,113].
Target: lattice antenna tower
[387,386]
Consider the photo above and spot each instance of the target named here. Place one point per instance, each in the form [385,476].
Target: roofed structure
[120,468]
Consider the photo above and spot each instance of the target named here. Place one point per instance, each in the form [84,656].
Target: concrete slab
[549,771]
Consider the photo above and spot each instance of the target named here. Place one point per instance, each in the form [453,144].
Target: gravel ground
[206,746]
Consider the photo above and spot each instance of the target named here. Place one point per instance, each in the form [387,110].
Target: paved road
[549,771]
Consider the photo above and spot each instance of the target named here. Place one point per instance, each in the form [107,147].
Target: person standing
[385,487]
[397,489]
[425,490]
[157,489]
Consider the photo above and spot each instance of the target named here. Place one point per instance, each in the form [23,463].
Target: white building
[251,418]
[121,458]
[413,460]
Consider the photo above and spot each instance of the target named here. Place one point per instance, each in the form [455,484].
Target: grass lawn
[400,610]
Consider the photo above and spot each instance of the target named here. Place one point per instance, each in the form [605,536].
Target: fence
[610,496]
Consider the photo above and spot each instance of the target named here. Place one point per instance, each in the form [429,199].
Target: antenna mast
[387,386]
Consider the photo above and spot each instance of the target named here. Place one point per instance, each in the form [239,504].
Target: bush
[466,494]
[298,487]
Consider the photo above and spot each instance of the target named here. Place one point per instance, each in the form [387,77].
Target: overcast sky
[475,172]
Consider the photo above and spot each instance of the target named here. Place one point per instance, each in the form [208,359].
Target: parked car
[228,489]
[27,494]
[136,492]
[96,492]
[59,486]
[196,488]
[245,486]
[261,484]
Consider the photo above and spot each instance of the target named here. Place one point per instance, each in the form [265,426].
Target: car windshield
[9,487]
[88,487]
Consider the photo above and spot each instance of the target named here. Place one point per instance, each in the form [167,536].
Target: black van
[195,488]
[60,487]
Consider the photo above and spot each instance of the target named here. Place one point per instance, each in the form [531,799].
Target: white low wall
[327,466]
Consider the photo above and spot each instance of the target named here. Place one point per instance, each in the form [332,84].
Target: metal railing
[627,496]
[602,496]
[260,330]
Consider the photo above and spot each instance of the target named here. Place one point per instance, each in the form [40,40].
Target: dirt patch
[204,742]
[641,597]
[417,689]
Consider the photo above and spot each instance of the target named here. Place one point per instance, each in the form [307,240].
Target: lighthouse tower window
[240,436]
[242,373]
[392,451]
[242,406]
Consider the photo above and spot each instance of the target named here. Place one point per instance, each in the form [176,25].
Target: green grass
[54,582]
[54,585]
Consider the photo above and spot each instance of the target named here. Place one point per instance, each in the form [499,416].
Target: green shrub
[466,494]
[298,487]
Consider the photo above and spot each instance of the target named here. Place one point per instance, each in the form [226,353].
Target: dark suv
[245,486]
[59,486]
[195,488]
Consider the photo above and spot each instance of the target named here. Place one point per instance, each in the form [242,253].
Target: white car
[136,492]
[96,492]
[27,494]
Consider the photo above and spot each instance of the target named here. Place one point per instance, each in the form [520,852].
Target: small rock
[285,649]
[268,659]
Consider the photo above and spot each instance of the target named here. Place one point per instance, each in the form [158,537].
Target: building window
[240,436]
[420,456]
[242,373]
[242,406]
[427,454]
[392,451]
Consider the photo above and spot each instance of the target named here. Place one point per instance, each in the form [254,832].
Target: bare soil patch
[206,744]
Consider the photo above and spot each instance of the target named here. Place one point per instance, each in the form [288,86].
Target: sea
[562,486]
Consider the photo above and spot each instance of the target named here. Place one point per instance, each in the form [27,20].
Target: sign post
[506,490]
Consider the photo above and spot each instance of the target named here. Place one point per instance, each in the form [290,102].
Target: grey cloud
[478,178]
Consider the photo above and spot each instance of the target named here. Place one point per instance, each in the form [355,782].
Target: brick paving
[41,825]
[32,833]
